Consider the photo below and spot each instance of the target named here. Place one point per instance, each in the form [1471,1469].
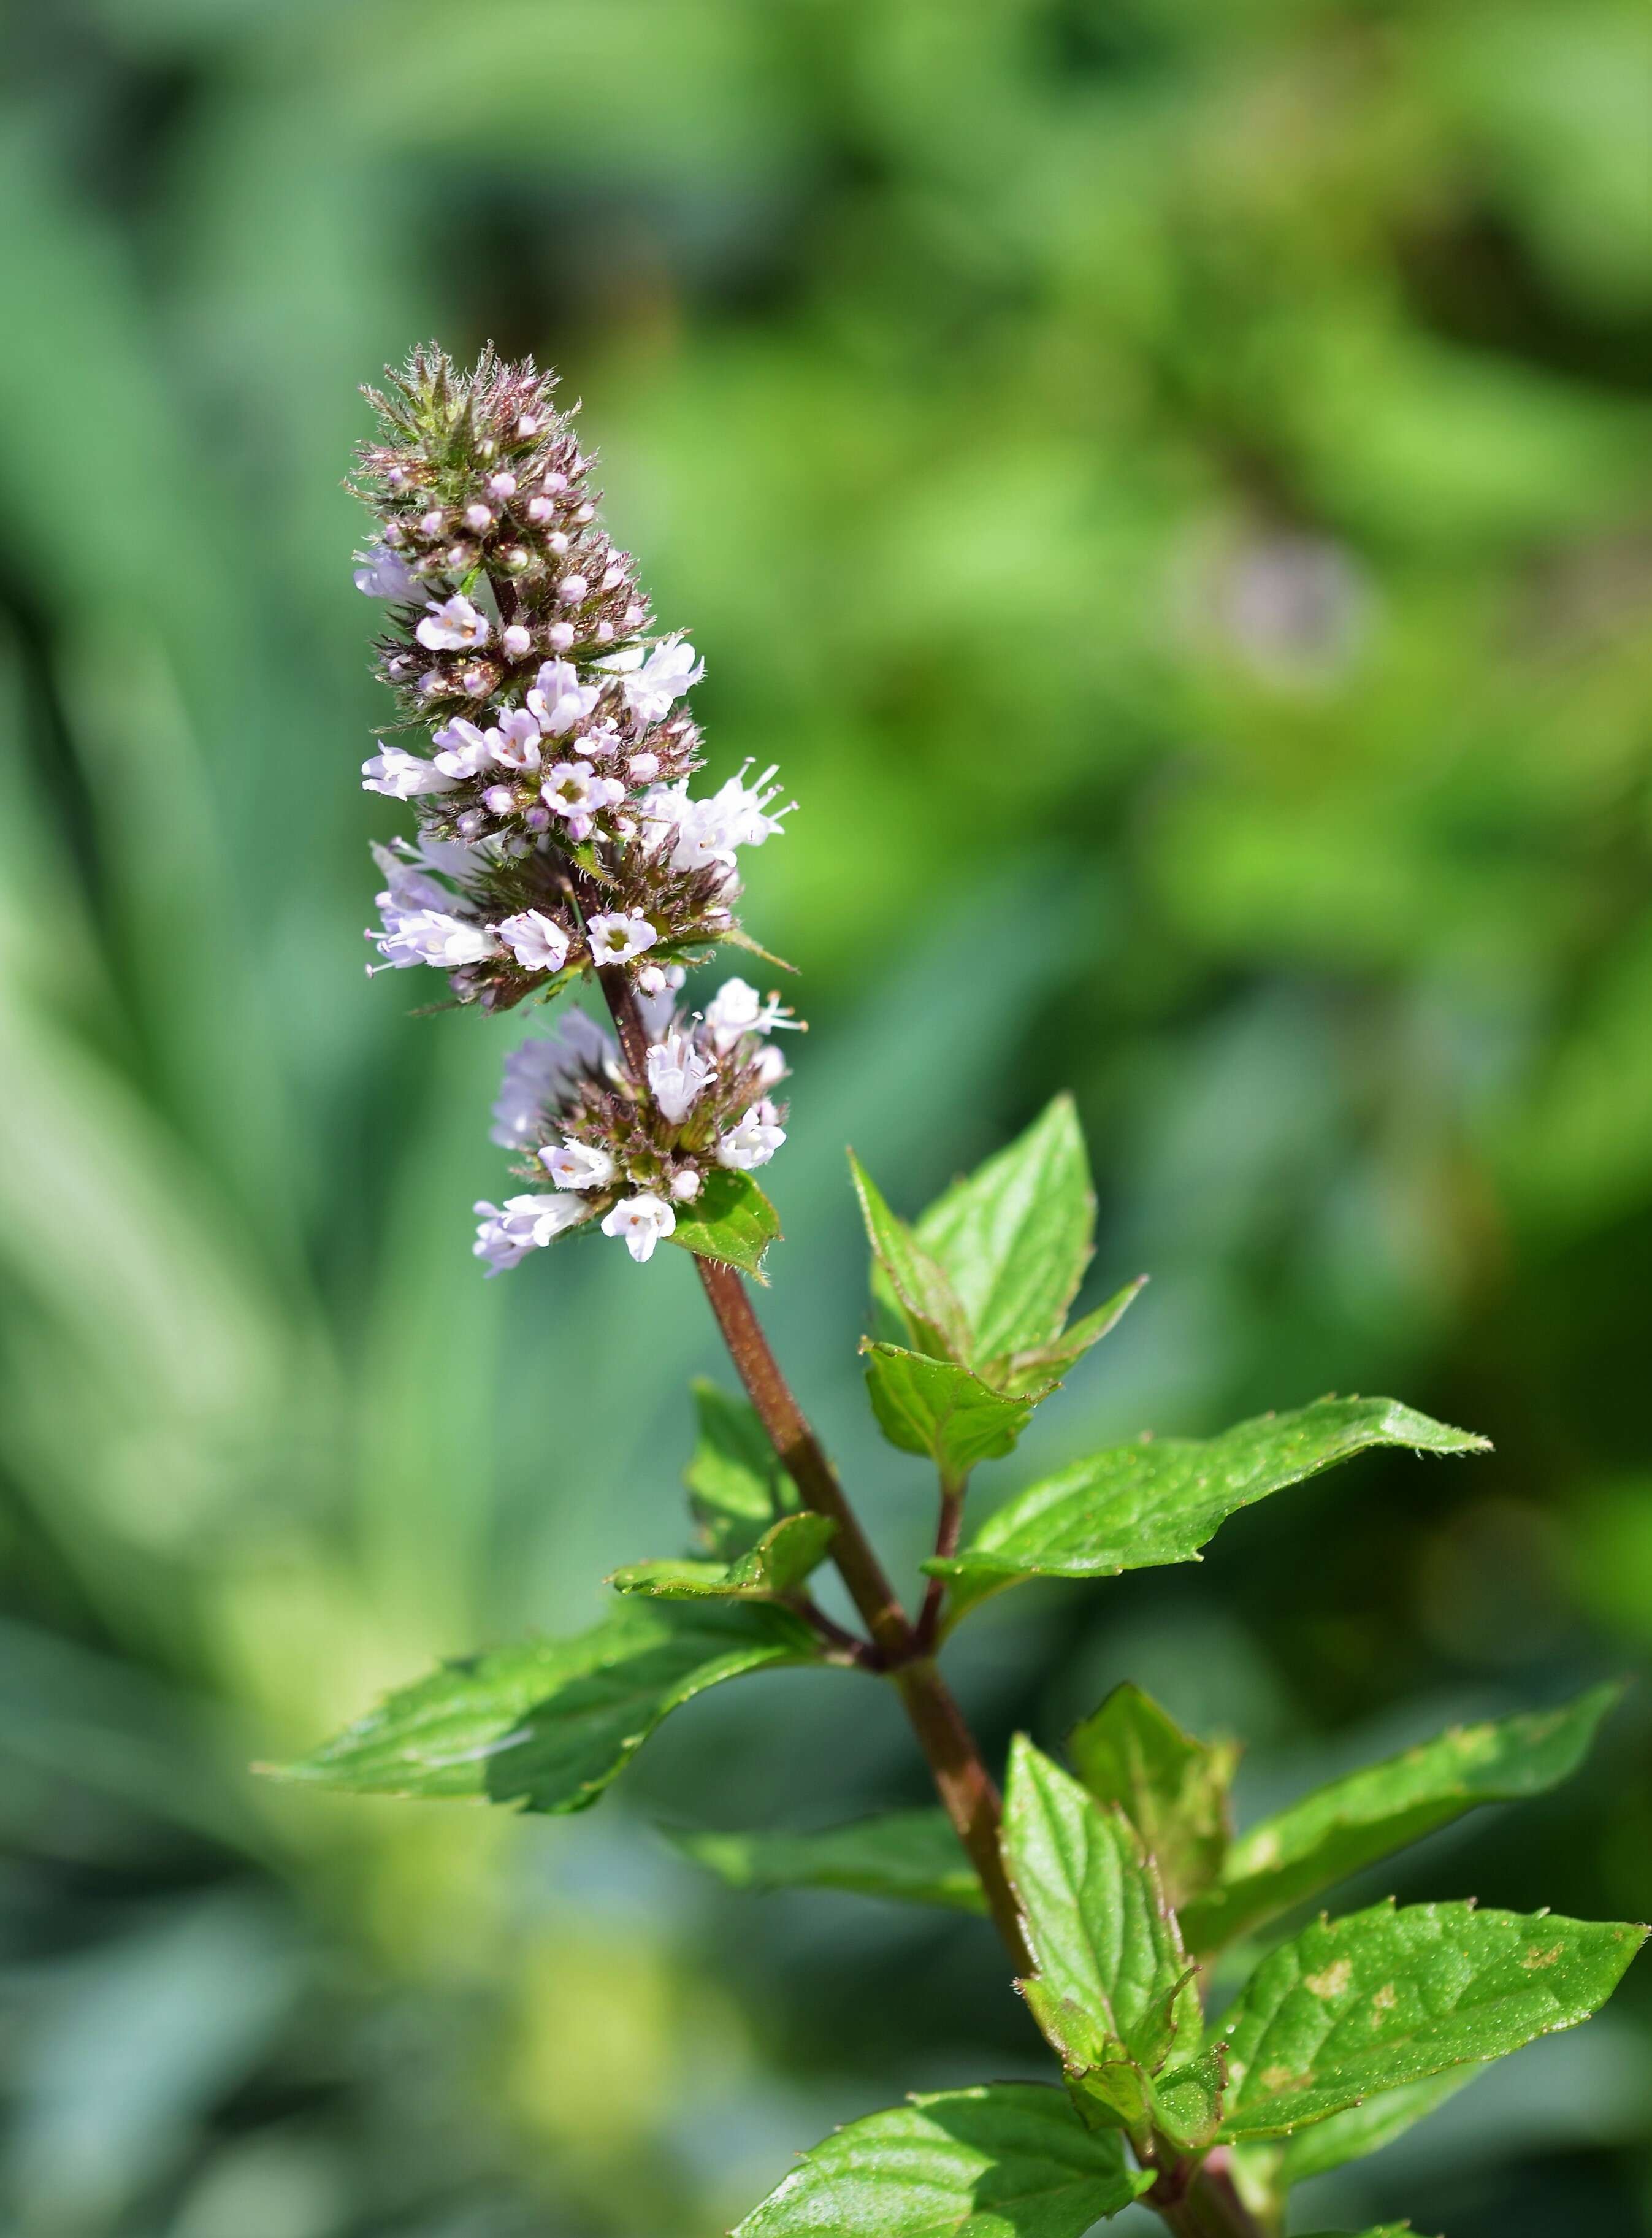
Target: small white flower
[559,699]
[407,886]
[576,1166]
[737,1009]
[464,749]
[771,1067]
[398,775]
[616,936]
[382,574]
[453,626]
[651,980]
[514,740]
[521,1224]
[652,690]
[642,768]
[517,643]
[571,788]
[428,935]
[677,1075]
[754,1142]
[600,742]
[685,1185]
[642,1220]
[537,941]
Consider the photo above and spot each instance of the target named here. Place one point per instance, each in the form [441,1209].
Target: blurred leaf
[1008,2160]
[914,1856]
[1172,1788]
[777,1565]
[736,1484]
[1332,1833]
[941,1410]
[1387,1997]
[549,1724]
[1367,2128]
[1158,1501]
[1015,1238]
[730,1219]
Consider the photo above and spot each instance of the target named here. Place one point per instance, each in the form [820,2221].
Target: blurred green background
[1168,480]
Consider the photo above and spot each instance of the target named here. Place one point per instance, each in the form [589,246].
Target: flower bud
[556,542]
[433,523]
[499,799]
[560,636]
[540,510]
[517,642]
[501,485]
[571,589]
[478,518]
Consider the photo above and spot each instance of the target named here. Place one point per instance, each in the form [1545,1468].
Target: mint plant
[558,843]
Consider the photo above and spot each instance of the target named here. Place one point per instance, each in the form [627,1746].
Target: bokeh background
[1168,481]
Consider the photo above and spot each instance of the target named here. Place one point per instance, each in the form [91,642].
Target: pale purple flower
[642,1220]
[398,775]
[514,740]
[653,689]
[508,1232]
[537,941]
[737,1009]
[453,626]
[577,1165]
[677,1075]
[383,574]
[617,936]
[573,789]
[541,1071]
[428,935]
[559,699]
[465,751]
[754,1141]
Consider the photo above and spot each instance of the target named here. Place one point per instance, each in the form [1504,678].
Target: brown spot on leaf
[1533,1960]
[1334,1981]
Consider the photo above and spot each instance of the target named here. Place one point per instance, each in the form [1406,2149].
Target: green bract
[1011,2160]
[730,1219]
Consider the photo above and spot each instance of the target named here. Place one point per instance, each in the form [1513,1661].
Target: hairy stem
[955,1760]
[945,1543]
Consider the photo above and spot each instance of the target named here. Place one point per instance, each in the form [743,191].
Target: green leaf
[1049,1363]
[1014,1237]
[941,1410]
[1387,1997]
[736,1484]
[730,1219]
[914,1856]
[1172,1788]
[1338,1829]
[1367,2128]
[922,1296]
[1007,2160]
[550,1723]
[1187,2100]
[777,1565]
[1137,1506]
[1102,1938]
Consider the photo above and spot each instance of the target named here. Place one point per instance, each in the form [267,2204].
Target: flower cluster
[626,1152]
[557,831]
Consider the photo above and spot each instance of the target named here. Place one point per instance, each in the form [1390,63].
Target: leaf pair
[971,1304]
